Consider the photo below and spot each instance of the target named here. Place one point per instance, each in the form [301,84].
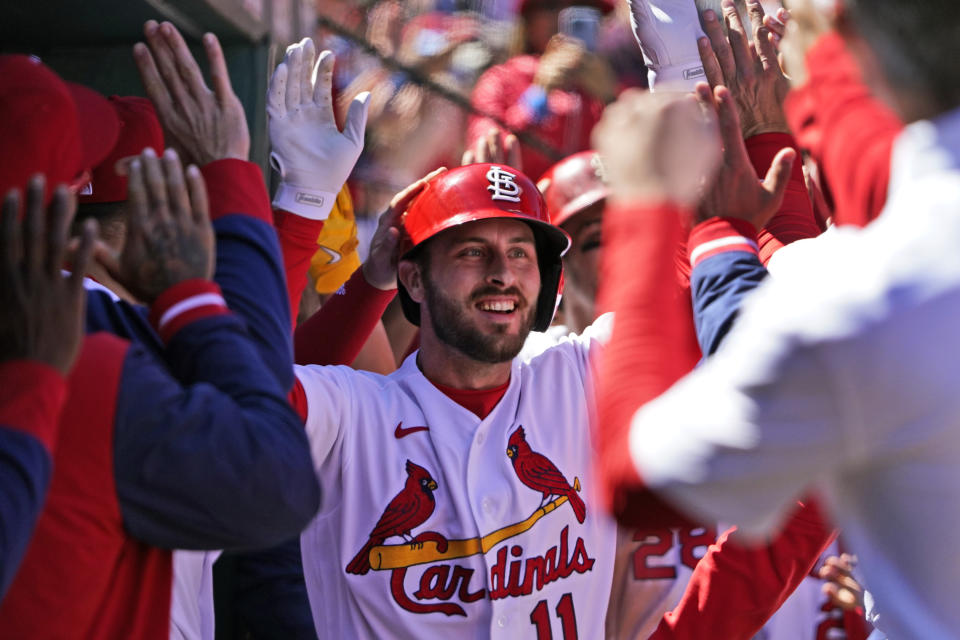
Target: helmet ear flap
[551,289]
[551,280]
[410,307]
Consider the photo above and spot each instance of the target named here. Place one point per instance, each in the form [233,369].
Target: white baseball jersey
[653,565]
[491,554]
[845,379]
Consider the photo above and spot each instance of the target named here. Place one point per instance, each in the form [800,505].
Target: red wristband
[184,303]
[720,235]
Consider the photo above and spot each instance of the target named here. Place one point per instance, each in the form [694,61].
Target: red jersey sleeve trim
[720,235]
[32,394]
[185,303]
[236,186]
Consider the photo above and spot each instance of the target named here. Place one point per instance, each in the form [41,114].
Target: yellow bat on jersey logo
[399,556]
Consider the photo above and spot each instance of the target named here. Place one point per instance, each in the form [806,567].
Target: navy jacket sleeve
[249,262]
[31,398]
[220,460]
[209,454]
[726,268]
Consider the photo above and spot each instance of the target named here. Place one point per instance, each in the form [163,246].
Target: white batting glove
[313,157]
[667,31]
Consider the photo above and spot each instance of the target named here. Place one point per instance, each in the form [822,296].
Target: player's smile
[500,309]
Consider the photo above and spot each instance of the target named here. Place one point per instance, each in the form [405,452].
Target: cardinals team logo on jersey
[503,185]
[409,509]
[511,575]
[537,472]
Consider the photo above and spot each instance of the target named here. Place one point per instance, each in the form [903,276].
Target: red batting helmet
[572,185]
[484,192]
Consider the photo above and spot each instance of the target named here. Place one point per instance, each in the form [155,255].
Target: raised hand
[737,191]
[667,32]
[313,157]
[751,72]
[380,269]
[42,312]
[169,235]
[203,125]
[657,147]
[495,148]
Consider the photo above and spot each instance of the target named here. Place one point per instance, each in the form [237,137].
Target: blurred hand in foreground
[658,147]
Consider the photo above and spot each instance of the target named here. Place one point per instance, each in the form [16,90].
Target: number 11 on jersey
[540,617]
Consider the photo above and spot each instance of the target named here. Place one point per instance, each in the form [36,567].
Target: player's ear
[410,274]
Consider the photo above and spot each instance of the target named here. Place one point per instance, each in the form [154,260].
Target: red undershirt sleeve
[736,587]
[336,333]
[298,242]
[653,342]
[795,219]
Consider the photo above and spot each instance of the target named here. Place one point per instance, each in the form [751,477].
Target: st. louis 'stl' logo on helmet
[503,185]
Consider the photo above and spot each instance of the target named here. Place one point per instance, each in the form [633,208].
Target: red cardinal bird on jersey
[410,508]
[538,473]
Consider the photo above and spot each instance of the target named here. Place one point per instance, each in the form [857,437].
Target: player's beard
[453,326]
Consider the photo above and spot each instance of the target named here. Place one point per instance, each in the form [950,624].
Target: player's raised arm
[223,427]
[657,150]
[313,157]
[41,330]
[744,59]
[338,330]
[208,125]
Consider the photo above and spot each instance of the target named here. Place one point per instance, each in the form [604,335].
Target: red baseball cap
[99,124]
[139,129]
[48,126]
[572,185]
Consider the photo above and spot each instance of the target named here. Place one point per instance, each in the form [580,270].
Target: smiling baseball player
[462,480]
[461,497]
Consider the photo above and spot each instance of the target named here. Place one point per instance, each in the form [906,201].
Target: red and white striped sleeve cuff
[185,303]
[720,235]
